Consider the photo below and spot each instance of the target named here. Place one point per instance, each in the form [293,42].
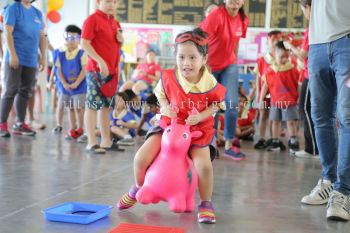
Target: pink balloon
[172,177]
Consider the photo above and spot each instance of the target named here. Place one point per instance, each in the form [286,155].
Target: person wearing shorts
[101,38]
[71,83]
[144,75]
[282,83]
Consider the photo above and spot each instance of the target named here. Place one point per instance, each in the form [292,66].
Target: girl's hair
[124,96]
[131,95]
[152,100]
[305,3]
[197,36]
[240,11]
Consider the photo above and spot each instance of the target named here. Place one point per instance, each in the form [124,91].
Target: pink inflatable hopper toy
[172,177]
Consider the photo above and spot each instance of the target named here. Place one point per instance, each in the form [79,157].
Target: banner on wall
[141,39]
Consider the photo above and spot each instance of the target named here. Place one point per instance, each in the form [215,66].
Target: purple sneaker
[206,213]
[234,153]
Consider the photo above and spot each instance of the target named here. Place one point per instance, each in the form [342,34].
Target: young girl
[190,85]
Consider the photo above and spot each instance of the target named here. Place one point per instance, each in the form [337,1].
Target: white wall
[73,12]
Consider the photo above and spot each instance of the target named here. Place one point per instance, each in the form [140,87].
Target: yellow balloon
[55,5]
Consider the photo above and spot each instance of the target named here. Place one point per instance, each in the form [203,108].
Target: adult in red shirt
[101,39]
[311,150]
[144,75]
[225,26]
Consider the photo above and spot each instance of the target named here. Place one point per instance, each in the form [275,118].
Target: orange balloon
[54,16]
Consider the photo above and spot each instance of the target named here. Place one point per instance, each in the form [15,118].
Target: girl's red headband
[196,39]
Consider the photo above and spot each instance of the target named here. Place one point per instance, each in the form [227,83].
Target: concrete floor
[261,194]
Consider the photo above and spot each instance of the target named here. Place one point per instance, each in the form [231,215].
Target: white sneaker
[338,207]
[306,155]
[320,194]
[126,142]
[82,139]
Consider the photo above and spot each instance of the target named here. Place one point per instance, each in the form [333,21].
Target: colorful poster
[139,40]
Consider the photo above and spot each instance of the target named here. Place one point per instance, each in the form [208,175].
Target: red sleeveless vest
[283,87]
[186,102]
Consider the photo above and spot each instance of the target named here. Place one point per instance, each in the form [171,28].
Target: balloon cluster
[53,6]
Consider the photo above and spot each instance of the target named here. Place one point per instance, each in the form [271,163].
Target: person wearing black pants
[311,150]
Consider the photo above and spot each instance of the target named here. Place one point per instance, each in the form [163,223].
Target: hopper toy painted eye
[185,135]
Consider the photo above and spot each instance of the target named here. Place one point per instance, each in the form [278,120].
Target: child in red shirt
[144,75]
[263,66]
[101,40]
[190,85]
[246,114]
[282,83]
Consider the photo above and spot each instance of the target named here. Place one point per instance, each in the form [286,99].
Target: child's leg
[238,132]
[90,119]
[247,131]
[270,128]
[119,132]
[139,86]
[106,141]
[264,116]
[79,103]
[54,98]
[263,122]
[292,128]
[79,114]
[59,112]
[204,169]
[127,85]
[293,143]
[72,124]
[143,158]
[59,115]
[276,129]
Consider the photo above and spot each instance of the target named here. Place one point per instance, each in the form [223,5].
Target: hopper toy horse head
[172,177]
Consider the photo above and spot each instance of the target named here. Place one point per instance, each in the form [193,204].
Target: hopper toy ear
[174,120]
[162,123]
[196,134]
